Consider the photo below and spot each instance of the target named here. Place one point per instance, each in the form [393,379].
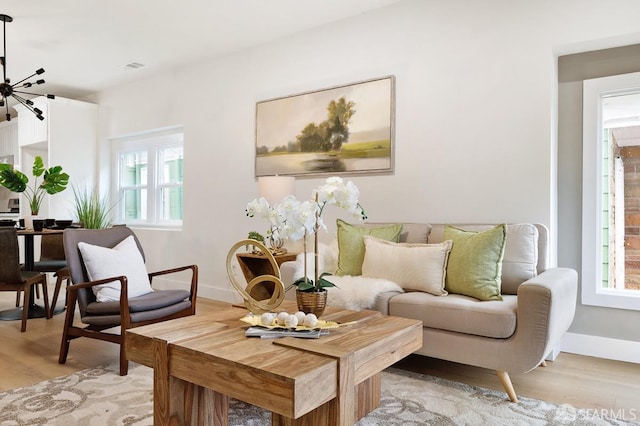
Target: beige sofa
[510,336]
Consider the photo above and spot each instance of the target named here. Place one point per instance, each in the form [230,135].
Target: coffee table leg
[176,402]
[213,408]
[161,384]
[190,404]
[367,398]
[368,395]
[346,401]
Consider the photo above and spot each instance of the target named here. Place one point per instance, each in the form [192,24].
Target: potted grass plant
[92,210]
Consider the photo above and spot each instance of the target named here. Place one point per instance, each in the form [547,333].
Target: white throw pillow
[420,267]
[124,259]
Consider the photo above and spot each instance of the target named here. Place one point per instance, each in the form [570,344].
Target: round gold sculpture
[253,305]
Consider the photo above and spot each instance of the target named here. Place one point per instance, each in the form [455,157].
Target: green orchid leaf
[13,180]
[304,284]
[323,282]
[38,166]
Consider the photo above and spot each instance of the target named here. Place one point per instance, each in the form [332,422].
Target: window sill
[618,299]
[154,227]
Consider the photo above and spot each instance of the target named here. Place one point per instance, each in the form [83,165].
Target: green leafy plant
[92,211]
[253,235]
[54,180]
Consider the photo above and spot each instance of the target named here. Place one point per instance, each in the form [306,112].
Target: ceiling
[85,46]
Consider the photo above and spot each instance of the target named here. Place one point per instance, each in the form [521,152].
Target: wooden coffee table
[202,360]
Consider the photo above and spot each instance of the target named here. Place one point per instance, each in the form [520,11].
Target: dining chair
[97,317]
[12,278]
[52,260]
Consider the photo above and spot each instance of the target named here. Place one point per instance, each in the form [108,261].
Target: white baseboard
[221,294]
[601,347]
[551,356]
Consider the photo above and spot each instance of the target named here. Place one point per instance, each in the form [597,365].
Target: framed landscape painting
[343,129]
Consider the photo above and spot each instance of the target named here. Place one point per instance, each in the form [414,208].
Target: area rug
[99,396]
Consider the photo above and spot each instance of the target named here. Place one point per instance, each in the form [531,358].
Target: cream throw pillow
[351,244]
[420,267]
[124,259]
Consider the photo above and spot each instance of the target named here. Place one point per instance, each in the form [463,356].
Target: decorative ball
[282,316]
[267,318]
[300,315]
[310,320]
[291,321]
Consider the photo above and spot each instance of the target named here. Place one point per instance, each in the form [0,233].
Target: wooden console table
[254,265]
[201,360]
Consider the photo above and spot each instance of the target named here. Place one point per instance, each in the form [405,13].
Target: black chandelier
[10,90]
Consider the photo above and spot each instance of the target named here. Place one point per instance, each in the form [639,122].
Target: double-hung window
[611,192]
[148,168]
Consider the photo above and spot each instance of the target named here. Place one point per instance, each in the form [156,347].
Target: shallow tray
[321,325]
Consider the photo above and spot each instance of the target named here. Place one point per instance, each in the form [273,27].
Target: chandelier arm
[24,102]
[25,79]
[28,93]
[20,98]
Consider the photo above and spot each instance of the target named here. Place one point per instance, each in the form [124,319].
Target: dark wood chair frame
[93,331]
[24,280]
[52,252]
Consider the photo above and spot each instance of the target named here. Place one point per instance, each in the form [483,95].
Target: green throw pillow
[475,262]
[351,243]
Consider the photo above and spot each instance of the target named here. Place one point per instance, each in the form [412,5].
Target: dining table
[35,310]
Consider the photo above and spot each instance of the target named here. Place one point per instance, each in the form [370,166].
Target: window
[611,192]
[149,170]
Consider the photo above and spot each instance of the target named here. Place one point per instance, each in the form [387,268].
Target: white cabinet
[32,130]
[66,137]
[8,138]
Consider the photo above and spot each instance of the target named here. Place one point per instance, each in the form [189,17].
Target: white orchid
[299,217]
[336,192]
[261,208]
[294,219]
[257,207]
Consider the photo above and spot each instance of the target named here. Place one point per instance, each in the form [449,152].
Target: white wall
[475,116]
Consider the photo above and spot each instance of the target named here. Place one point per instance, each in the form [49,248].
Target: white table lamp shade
[275,188]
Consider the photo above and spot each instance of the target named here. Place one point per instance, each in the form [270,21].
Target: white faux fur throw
[357,293]
[327,261]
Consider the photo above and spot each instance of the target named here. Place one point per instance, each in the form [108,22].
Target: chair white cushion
[124,259]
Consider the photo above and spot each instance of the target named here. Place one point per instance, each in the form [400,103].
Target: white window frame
[594,90]
[152,142]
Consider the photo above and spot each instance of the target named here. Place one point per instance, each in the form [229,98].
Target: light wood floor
[584,382]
